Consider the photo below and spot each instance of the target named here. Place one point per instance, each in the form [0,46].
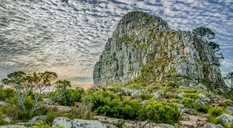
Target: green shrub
[6,94]
[12,111]
[188,102]
[192,95]
[2,121]
[146,96]
[226,103]
[175,100]
[213,113]
[160,113]
[68,96]
[108,104]
[172,84]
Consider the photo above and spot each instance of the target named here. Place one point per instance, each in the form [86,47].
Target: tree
[204,33]
[24,84]
[62,84]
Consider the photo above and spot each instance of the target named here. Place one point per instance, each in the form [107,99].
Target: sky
[67,36]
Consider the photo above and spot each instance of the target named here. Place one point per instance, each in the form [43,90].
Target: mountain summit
[145,50]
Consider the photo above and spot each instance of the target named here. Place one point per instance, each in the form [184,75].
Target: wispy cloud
[68,37]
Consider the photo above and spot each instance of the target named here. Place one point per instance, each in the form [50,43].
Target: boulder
[186,124]
[181,95]
[137,93]
[35,119]
[2,103]
[78,123]
[229,109]
[114,121]
[189,111]
[202,96]
[199,103]
[12,126]
[201,86]
[210,125]
[127,91]
[226,118]
[156,95]
[62,121]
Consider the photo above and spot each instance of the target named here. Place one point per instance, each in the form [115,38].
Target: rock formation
[144,49]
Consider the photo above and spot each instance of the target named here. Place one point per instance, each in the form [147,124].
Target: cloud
[68,37]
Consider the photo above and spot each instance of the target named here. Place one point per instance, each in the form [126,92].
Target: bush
[146,96]
[6,94]
[2,121]
[67,97]
[108,104]
[192,95]
[172,84]
[12,111]
[188,102]
[160,113]
[213,113]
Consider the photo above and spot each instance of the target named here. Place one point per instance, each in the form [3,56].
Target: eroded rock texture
[144,49]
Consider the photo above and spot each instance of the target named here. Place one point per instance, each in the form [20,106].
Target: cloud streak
[68,37]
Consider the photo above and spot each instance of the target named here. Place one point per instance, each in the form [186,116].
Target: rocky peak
[145,50]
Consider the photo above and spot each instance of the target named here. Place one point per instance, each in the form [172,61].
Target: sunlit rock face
[144,49]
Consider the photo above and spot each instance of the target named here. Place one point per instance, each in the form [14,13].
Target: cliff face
[144,49]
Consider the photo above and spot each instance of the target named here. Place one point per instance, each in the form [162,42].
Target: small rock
[126,91]
[128,125]
[199,103]
[137,93]
[210,125]
[181,95]
[200,85]
[189,111]
[163,126]
[110,126]
[156,95]
[202,96]
[200,124]
[186,124]
[114,121]
[185,118]
[35,119]
[2,103]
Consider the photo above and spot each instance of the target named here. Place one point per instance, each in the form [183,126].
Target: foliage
[6,94]
[13,112]
[192,95]
[160,112]
[2,121]
[24,84]
[172,84]
[42,124]
[213,113]
[62,84]
[108,104]
[188,102]
[204,33]
[146,96]
[214,46]
[68,96]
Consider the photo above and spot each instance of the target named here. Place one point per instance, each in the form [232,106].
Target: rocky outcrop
[143,48]
[77,123]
